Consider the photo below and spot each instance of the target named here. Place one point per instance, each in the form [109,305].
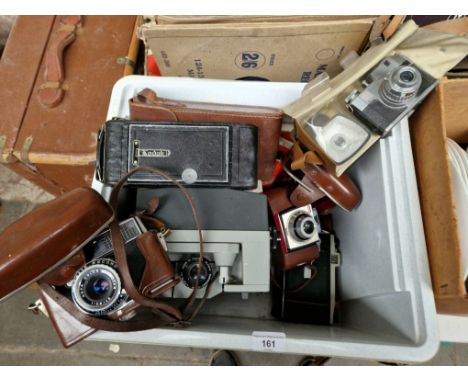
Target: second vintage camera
[97,287]
[298,228]
[296,232]
[391,91]
[235,234]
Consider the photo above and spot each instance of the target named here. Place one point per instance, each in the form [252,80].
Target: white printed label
[268,341]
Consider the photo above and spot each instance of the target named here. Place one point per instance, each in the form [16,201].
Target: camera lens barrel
[402,84]
[97,289]
[190,273]
[304,226]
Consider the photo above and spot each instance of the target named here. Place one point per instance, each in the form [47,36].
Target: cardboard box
[292,48]
[443,115]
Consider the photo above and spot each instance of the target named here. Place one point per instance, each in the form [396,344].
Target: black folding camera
[214,155]
[307,294]
[391,91]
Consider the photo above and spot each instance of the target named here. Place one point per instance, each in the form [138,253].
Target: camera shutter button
[189,176]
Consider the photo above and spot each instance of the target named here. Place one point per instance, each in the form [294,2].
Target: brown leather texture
[301,197]
[48,236]
[147,106]
[165,314]
[159,273]
[65,272]
[278,199]
[301,256]
[341,190]
[58,143]
[278,202]
[68,328]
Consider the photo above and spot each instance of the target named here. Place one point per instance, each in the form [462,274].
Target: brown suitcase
[53,103]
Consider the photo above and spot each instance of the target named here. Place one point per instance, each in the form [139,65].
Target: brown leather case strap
[158,275]
[147,215]
[51,91]
[301,196]
[119,250]
[299,158]
[341,190]
[146,102]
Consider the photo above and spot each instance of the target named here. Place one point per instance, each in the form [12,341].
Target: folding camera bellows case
[215,155]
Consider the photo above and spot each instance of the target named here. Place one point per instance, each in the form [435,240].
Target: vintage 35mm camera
[295,236]
[298,228]
[97,287]
[391,91]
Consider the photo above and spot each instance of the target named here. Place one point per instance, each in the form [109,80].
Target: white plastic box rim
[389,312]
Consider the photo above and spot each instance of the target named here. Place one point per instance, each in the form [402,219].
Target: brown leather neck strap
[167,315]
[121,258]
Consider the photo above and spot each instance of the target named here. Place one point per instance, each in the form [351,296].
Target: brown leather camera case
[147,106]
[278,201]
[48,237]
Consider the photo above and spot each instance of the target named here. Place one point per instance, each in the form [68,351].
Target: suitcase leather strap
[51,91]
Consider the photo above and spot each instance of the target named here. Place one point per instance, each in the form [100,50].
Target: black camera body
[391,91]
[314,303]
[196,154]
[96,288]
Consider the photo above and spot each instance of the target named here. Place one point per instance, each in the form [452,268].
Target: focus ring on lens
[304,226]
[189,272]
[402,84]
[93,272]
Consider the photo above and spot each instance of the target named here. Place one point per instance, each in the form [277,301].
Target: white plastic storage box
[386,308]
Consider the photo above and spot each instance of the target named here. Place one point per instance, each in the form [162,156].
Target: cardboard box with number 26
[287,48]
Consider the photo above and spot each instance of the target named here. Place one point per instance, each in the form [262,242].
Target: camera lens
[406,76]
[97,288]
[191,272]
[304,226]
[401,85]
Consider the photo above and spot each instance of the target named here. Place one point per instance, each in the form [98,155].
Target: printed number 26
[250,60]
[268,344]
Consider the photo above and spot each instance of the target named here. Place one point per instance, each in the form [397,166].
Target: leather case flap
[147,106]
[159,274]
[68,328]
[301,197]
[49,236]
